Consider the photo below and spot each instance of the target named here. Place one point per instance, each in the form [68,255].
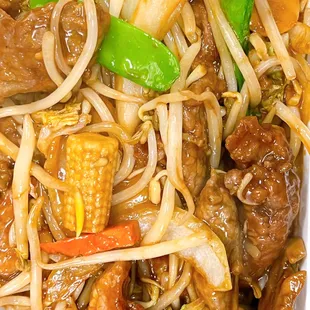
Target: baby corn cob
[90,167]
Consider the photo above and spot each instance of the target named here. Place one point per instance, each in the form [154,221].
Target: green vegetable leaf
[137,56]
[238,13]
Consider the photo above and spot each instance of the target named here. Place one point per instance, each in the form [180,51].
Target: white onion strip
[295,123]
[175,292]
[274,35]
[146,176]
[21,185]
[55,18]
[237,52]
[226,60]
[11,150]
[139,253]
[73,77]
[13,286]
[35,253]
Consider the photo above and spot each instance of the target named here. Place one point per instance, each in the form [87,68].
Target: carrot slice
[123,235]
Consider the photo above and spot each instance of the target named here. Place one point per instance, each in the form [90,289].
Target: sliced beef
[271,199]
[21,66]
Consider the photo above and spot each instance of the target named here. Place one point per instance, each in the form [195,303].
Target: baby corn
[90,168]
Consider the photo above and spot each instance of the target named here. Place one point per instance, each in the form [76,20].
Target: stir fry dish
[152,154]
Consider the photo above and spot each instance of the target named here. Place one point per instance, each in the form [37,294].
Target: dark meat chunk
[194,162]
[217,208]
[21,66]
[271,199]
[284,281]
[208,52]
[61,283]
[107,291]
[9,260]
[194,148]
[264,145]
[12,7]
[20,70]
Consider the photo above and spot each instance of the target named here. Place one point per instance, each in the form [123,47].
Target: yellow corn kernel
[90,166]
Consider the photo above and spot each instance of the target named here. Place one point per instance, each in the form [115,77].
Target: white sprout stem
[270,116]
[195,75]
[21,301]
[35,253]
[295,142]
[139,253]
[179,39]
[226,60]
[16,284]
[109,92]
[170,43]
[234,112]
[274,35]
[21,185]
[146,176]
[259,45]
[174,293]
[162,112]
[12,236]
[164,217]
[48,51]
[11,150]
[259,70]
[98,104]
[73,77]
[55,18]
[295,123]
[237,52]
[189,21]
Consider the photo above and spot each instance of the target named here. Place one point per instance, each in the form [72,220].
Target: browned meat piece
[215,300]
[194,148]
[22,69]
[208,51]
[107,291]
[61,283]
[272,196]
[194,162]
[217,208]
[284,282]
[12,7]
[9,260]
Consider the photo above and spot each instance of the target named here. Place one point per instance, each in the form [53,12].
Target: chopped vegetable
[137,56]
[91,161]
[238,13]
[125,234]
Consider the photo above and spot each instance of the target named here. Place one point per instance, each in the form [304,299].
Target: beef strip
[272,194]
[9,260]
[107,291]
[12,7]
[21,66]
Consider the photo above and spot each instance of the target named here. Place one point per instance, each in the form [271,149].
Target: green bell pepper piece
[137,56]
[238,13]
[39,3]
